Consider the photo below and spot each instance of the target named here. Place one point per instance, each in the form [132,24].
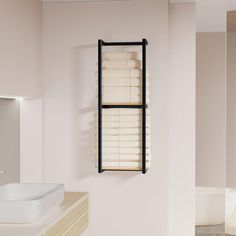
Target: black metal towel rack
[143,106]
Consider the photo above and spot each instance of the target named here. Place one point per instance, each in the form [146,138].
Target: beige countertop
[71,201]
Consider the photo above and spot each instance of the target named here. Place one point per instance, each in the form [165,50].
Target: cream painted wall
[31,140]
[21,48]
[231,110]
[120,203]
[211,110]
[182,61]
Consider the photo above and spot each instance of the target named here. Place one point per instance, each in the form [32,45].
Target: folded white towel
[124,115]
[123,157]
[120,55]
[123,121]
[117,100]
[121,129]
[123,150]
[122,92]
[127,131]
[124,118]
[122,112]
[124,138]
[122,164]
[126,101]
[121,82]
[124,64]
[120,124]
[107,118]
[118,144]
[121,73]
[110,150]
[112,161]
[123,95]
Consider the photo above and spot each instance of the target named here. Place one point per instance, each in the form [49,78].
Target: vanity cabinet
[74,221]
[69,219]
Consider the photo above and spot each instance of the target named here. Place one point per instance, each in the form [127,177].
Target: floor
[216,230]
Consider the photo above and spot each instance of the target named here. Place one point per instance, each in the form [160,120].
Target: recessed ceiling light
[182,1]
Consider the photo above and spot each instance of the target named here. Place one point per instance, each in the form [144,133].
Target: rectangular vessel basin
[27,203]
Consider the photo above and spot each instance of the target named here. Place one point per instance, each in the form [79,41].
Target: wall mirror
[9,141]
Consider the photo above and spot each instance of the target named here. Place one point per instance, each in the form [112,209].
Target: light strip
[71,1]
[12,97]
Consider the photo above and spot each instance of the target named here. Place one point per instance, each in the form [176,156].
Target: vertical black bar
[144,106]
[100,106]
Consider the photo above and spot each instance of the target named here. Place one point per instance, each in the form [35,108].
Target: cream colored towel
[123,157]
[121,92]
[124,138]
[120,55]
[122,82]
[122,164]
[123,119]
[121,73]
[117,100]
[128,131]
[107,118]
[110,143]
[123,112]
[125,164]
[110,150]
[123,124]
[124,64]
[120,126]
[112,115]
[121,95]
[112,124]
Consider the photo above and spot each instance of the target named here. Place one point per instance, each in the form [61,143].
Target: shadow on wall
[85,95]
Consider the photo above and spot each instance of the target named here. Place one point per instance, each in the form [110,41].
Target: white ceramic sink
[27,203]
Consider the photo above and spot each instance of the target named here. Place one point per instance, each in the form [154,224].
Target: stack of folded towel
[122,78]
[122,128]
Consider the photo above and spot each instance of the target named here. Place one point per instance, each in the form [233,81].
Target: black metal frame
[143,106]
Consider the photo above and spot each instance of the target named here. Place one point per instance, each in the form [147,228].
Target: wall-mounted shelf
[142,106]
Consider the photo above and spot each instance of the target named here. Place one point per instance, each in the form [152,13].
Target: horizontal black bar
[123,43]
[121,170]
[123,106]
